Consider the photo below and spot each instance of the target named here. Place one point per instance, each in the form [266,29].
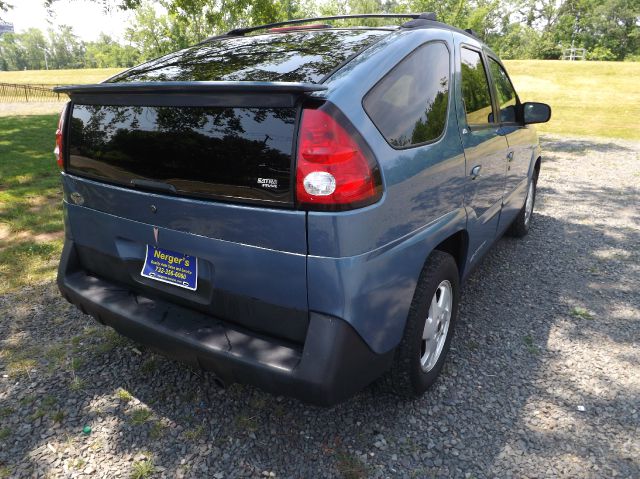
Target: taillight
[59,149]
[335,169]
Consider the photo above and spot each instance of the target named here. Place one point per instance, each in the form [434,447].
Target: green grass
[19,360]
[350,467]
[140,415]
[124,395]
[530,345]
[77,384]
[157,430]
[59,77]
[5,432]
[587,98]
[142,469]
[30,201]
[57,416]
[194,433]
[581,313]
[6,411]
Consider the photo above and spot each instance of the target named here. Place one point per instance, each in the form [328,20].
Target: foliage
[4,6]
[106,52]
[60,49]
[523,29]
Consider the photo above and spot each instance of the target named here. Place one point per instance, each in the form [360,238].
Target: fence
[572,54]
[14,93]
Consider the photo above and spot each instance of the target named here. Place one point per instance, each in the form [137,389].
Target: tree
[12,52]
[607,29]
[35,49]
[4,6]
[66,50]
[106,52]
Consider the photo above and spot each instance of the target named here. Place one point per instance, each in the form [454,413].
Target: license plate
[171,267]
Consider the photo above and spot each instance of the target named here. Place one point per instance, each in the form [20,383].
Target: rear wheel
[520,226]
[421,354]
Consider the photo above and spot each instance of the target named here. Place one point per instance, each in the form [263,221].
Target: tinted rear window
[303,56]
[409,105]
[222,153]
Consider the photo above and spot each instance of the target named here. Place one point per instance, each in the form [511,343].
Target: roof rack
[242,31]
[472,32]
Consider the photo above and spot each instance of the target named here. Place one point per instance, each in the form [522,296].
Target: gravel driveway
[543,379]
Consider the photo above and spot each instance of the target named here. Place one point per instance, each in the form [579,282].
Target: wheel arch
[536,166]
[457,245]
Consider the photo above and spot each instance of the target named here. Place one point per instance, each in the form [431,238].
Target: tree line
[515,29]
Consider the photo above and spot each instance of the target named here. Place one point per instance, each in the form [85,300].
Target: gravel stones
[543,379]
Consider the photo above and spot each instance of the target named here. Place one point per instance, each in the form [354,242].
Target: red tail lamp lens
[59,150]
[334,170]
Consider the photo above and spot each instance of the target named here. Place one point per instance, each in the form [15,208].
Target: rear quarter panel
[363,265]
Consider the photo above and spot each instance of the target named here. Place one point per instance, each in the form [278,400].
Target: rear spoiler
[194,93]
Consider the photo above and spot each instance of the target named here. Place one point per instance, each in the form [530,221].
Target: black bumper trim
[333,364]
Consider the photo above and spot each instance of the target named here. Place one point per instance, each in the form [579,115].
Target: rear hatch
[194,153]
[242,154]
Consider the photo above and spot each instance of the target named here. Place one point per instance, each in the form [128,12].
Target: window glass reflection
[409,105]
[475,89]
[507,98]
[303,56]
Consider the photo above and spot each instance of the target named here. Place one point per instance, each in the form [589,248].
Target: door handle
[475,171]
[510,156]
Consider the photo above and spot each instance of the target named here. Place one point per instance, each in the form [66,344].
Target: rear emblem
[155,233]
[268,182]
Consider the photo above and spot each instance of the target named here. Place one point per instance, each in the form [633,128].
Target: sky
[86,18]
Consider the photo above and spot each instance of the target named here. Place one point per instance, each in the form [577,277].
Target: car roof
[297,54]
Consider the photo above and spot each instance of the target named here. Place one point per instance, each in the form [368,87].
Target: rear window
[302,56]
[409,105]
[222,153]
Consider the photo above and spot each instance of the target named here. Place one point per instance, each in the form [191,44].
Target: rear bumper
[332,364]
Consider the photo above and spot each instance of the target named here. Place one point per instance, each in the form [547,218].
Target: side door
[519,138]
[485,150]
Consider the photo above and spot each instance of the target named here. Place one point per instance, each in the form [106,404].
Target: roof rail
[473,33]
[242,31]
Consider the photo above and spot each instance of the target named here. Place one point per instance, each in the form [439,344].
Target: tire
[522,223]
[407,377]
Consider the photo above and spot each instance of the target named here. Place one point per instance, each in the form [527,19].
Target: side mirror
[508,114]
[536,112]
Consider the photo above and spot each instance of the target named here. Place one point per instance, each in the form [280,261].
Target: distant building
[6,28]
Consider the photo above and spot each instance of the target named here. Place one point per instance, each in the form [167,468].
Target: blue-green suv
[295,205]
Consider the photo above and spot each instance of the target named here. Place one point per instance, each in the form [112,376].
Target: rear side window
[475,89]
[409,105]
[507,98]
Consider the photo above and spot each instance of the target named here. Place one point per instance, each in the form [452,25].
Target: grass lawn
[30,201]
[59,77]
[587,98]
